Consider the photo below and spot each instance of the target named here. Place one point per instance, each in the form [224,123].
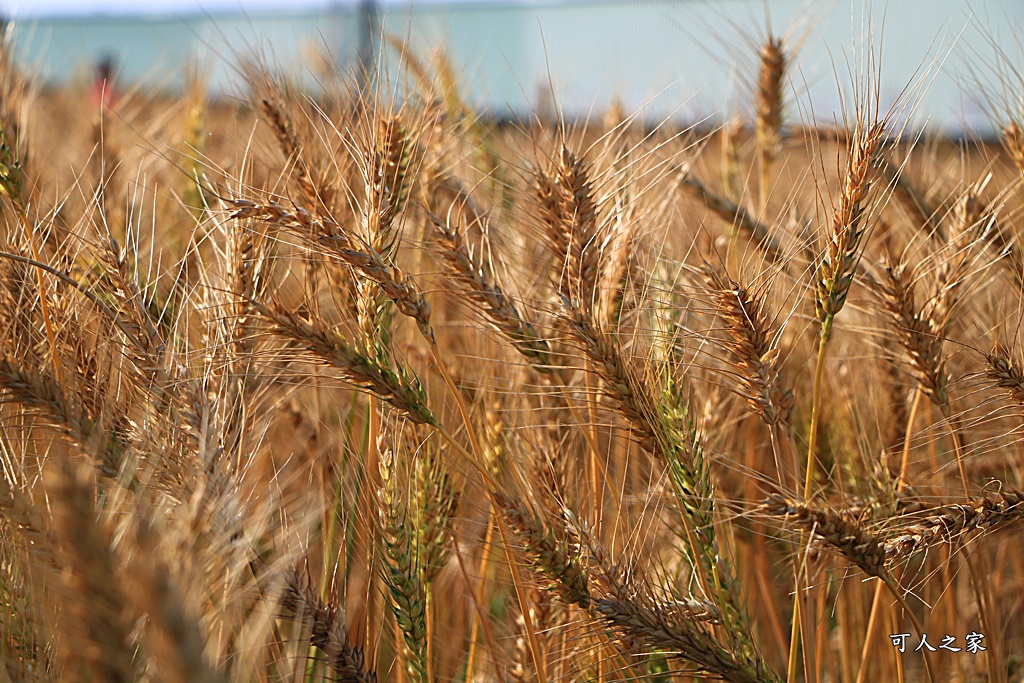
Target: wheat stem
[826,331]
[812,438]
[901,483]
[479,619]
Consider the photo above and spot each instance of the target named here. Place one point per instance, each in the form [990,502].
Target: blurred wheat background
[359,382]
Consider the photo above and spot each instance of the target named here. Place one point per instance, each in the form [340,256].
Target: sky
[29,8]
[40,8]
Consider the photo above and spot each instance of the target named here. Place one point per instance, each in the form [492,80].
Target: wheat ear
[403,574]
[952,522]
[400,389]
[329,634]
[753,347]
[474,278]
[768,106]
[350,249]
[568,212]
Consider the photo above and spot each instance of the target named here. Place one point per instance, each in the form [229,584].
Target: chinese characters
[972,643]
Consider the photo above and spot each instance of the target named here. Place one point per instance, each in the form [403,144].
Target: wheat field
[361,385]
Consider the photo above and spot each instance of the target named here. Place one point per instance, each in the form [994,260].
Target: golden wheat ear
[849,224]
[753,347]
[328,632]
[768,108]
[475,280]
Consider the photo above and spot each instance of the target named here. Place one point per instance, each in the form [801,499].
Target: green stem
[812,438]
[794,636]
[428,613]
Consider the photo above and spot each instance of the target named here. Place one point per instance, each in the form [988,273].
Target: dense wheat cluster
[358,385]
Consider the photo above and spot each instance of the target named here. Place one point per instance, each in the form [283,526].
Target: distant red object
[102,92]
